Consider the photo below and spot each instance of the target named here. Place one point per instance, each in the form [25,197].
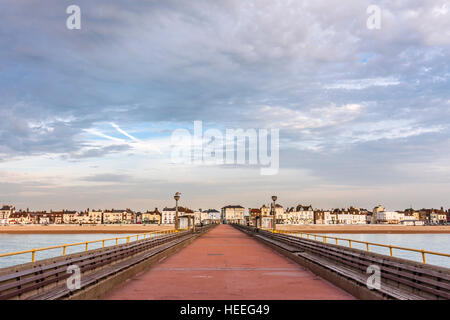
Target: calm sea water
[20,242]
[431,242]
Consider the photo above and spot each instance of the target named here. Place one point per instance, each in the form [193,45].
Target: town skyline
[205,208]
[265,216]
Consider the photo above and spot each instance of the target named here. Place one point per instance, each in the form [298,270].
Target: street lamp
[274,198]
[176,197]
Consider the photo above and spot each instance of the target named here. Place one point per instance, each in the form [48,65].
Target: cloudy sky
[87,115]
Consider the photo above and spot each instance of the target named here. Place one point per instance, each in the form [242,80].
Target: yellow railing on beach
[312,236]
[86,243]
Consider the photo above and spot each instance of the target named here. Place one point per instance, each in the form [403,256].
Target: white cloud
[386,129]
[134,145]
[291,119]
[359,84]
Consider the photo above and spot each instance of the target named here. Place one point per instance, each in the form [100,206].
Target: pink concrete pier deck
[227,264]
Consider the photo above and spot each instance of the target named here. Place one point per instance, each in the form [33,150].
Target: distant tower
[375,211]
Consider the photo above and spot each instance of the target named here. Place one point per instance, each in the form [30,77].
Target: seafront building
[20,217]
[168,214]
[153,217]
[300,215]
[390,217]
[438,216]
[254,214]
[233,214]
[213,215]
[204,216]
[119,216]
[261,218]
[207,217]
[113,216]
[95,216]
[70,216]
[197,216]
[5,213]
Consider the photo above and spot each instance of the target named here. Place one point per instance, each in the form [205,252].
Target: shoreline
[77,229]
[140,228]
[366,229]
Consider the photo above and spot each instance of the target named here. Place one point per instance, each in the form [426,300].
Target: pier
[223,262]
[227,264]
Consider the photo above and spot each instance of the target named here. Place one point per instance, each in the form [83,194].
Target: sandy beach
[68,229]
[364,229]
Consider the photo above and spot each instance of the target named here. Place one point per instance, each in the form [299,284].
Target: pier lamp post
[176,197]
[274,226]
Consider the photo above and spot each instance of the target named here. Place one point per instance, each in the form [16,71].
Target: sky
[88,115]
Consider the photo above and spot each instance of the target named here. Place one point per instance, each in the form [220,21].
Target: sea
[19,242]
[439,242]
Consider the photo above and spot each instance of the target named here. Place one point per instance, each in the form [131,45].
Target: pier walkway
[227,264]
